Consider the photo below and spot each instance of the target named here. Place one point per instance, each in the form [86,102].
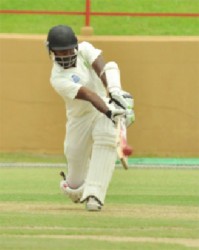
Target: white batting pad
[100,172]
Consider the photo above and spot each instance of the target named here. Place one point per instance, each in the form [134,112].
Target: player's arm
[90,96]
[110,76]
[109,73]
[98,65]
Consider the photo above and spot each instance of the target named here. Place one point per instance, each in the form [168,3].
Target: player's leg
[77,149]
[102,163]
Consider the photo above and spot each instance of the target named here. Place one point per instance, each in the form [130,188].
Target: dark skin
[98,66]
[85,93]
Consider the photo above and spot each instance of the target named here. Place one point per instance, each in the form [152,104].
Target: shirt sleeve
[65,87]
[89,52]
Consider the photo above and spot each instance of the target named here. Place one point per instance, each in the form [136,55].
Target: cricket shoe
[93,204]
[74,194]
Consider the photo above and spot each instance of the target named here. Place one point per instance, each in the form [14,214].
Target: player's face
[66,58]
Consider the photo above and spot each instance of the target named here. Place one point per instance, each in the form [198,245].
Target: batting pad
[100,172]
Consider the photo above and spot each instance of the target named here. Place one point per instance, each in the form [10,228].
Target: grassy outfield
[146,209]
[31,158]
[40,24]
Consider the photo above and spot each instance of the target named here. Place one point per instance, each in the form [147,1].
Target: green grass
[145,209]
[31,158]
[40,24]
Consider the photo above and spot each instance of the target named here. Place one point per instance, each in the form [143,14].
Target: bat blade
[124,161]
[122,144]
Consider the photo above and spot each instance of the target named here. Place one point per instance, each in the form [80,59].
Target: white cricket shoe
[92,204]
[74,194]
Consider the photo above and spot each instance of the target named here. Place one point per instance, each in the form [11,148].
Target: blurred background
[155,44]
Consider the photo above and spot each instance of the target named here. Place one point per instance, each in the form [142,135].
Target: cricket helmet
[60,38]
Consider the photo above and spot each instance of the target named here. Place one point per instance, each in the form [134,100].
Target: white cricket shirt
[67,82]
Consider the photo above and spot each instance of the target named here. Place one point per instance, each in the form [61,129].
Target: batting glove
[115,114]
[129,117]
[121,99]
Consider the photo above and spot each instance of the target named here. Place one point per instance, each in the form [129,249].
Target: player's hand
[121,98]
[114,114]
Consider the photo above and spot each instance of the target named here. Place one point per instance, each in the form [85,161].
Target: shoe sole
[93,206]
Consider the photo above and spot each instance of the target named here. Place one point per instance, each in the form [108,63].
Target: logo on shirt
[75,78]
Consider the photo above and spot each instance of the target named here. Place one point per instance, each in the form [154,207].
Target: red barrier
[145,14]
[89,13]
[43,12]
[87,22]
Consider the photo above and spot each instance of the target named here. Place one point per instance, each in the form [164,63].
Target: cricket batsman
[94,101]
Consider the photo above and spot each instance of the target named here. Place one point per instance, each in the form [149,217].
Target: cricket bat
[123,149]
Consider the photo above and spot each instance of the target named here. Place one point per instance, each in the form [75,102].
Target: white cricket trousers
[82,135]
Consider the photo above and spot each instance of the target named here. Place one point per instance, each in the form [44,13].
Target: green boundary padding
[163,161]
